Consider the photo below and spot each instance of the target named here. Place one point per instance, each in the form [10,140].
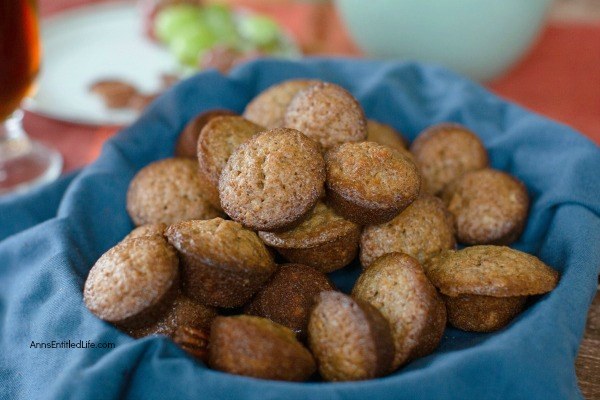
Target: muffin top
[271,181]
[446,151]
[130,278]
[221,242]
[489,206]
[269,107]
[168,191]
[188,139]
[384,134]
[424,229]
[497,271]
[147,230]
[321,225]
[327,113]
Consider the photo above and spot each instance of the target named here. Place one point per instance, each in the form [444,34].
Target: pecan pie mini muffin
[187,142]
[168,191]
[289,296]
[258,347]
[369,183]
[147,230]
[446,151]
[424,229]
[384,134]
[269,107]
[273,180]
[396,285]
[223,264]
[134,283]
[323,240]
[350,338]
[328,114]
[217,141]
[484,287]
[489,207]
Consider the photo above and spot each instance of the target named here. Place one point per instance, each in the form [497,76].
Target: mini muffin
[327,113]
[223,264]
[323,240]
[446,151]
[396,285]
[184,312]
[386,135]
[423,230]
[489,207]
[350,338]
[369,183]
[147,230]
[273,180]
[218,139]
[168,191]
[134,283]
[258,347]
[269,107]
[486,286]
[188,139]
[289,296]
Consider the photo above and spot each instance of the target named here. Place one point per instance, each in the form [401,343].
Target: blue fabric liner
[54,236]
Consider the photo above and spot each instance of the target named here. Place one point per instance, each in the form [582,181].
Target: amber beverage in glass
[23,163]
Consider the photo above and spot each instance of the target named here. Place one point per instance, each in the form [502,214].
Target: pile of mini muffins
[236,234]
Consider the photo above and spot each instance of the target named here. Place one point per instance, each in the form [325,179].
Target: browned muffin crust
[327,113]
[185,312]
[258,347]
[273,180]
[386,135]
[289,296]
[223,264]
[323,240]
[369,183]
[217,141]
[489,207]
[476,313]
[188,138]
[168,191]
[396,285]
[497,271]
[350,338]
[147,230]
[446,151]
[269,107]
[133,283]
[423,230]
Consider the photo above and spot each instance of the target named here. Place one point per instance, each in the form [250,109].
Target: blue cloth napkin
[54,236]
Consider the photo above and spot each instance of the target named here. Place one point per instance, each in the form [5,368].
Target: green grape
[219,19]
[191,43]
[172,20]
[260,30]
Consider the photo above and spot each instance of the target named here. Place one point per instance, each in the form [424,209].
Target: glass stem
[14,142]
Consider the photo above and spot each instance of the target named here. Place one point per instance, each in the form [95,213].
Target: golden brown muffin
[273,180]
[446,151]
[147,230]
[185,312]
[424,229]
[188,139]
[369,183]
[134,283]
[396,285]
[328,114]
[349,338]
[217,141]
[386,135]
[323,240]
[258,347]
[223,264]
[289,296]
[489,207]
[269,107]
[168,191]
[485,286]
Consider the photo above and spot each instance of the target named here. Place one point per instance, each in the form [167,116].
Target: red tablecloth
[560,78]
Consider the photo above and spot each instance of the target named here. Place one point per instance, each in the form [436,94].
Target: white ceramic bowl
[479,38]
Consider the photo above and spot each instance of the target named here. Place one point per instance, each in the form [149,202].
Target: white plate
[91,43]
